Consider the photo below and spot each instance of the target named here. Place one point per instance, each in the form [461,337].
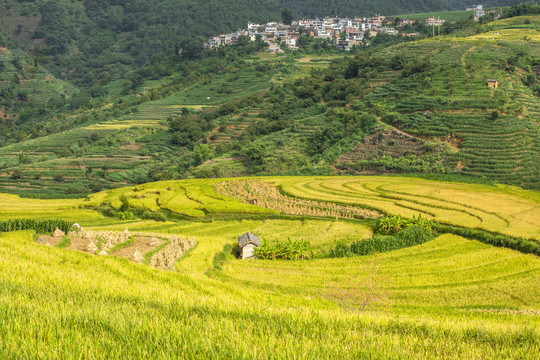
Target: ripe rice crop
[503,209]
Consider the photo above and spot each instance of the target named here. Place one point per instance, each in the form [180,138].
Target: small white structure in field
[247,244]
[77,228]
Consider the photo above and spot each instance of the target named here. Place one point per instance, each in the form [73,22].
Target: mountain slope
[366,8]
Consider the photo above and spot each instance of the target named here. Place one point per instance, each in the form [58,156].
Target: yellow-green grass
[502,209]
[194,198]
[123,124]
[448,271]
[507,210]
[518,20]
[12,206]
[444,15]
[509,34]
[75,304]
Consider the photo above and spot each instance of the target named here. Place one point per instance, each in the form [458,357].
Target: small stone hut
[247,244]
[493,83]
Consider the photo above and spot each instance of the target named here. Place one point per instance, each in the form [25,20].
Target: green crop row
[38,225]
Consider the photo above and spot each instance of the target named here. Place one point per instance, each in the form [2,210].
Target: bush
[410,236]
[389,225]
[289,250]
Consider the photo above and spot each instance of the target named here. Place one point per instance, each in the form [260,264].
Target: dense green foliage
[389,225]
[409,236]
[234,112]
[284,250]
[38,225]
[522,9]
[5,41]
[312,8]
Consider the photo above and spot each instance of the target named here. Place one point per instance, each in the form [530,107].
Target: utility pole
[439,28]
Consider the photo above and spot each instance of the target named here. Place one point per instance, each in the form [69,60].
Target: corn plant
[38,225]
[288,250]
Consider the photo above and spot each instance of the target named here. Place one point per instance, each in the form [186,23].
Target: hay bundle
[154,242]
[108,245]
[89,235]
[167,257]
[91,247]
[102,253]
[58,233]
[137,257]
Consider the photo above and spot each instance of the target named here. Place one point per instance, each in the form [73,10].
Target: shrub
[389,225]
[289,250]
[410,236]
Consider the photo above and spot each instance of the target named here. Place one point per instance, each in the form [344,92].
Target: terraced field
[449,298]
[502,209]
[495,130]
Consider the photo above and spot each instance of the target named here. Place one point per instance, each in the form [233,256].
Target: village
[344,33]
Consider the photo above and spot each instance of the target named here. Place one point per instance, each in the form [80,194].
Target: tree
[254,152]
[287,17]
[201,153]
[16,174]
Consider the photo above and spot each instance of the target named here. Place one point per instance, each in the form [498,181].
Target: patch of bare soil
[141,244]
[78,243]
[393,143]
[48,240]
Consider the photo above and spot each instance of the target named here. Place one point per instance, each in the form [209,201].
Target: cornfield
[38,225]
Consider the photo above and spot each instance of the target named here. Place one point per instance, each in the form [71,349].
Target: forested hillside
[82,112]
[312,8]
[92,42]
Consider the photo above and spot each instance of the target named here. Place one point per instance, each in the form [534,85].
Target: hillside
[390,110]
[312,8]
[99,40]
[28,92]
[419,107]
[449,297]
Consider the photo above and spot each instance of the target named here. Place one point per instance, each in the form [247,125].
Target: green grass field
[449,298]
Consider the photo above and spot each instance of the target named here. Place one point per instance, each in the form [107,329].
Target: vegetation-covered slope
[366,8]
[271,115]
[28,92]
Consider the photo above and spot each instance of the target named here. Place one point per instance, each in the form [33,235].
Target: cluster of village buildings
[343,32]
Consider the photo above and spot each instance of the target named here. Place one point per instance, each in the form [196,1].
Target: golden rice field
[449,298]
[503,209]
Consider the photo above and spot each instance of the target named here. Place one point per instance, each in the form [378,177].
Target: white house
[247,244]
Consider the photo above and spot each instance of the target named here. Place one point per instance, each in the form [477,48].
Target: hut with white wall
[247,244]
